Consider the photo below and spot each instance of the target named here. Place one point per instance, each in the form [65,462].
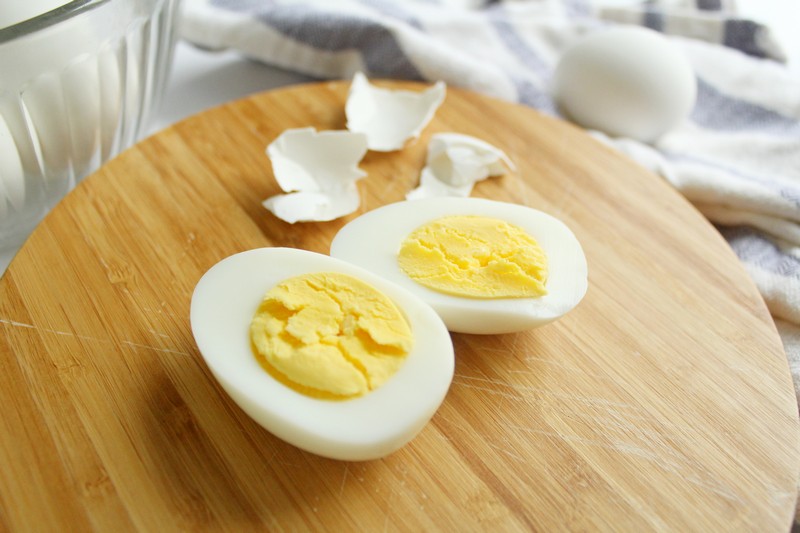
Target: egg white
[373,241]
[369,427]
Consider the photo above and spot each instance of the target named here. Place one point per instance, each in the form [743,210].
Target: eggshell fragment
[431,187]
[455,162]
[368,427]
[390,117]
[319,170]
[319,206]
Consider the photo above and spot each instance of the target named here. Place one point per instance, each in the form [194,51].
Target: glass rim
[48,18]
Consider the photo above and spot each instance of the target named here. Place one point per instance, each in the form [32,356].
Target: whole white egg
[368,427]
[373,241]
[625,81]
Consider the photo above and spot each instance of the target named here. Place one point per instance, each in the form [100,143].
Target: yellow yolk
[476,257]
[329,335]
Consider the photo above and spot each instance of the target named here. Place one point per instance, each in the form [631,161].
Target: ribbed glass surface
[75,91]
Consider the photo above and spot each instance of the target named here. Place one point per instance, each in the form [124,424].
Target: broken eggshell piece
[390,117]
[313,205]
[455,163]
[319,171]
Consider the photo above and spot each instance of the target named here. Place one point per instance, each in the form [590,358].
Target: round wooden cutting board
[663,402]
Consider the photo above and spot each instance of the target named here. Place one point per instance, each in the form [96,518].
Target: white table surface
[201,79]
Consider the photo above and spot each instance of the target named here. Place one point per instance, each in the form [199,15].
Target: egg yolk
[476,257]
[329,335]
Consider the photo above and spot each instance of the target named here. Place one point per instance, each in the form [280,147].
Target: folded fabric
[737,158]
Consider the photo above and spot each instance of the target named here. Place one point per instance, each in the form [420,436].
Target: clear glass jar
[77,85]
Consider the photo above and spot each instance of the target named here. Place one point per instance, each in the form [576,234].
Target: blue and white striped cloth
[737,158]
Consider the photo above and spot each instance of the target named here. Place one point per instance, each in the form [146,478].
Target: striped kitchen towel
[737,158]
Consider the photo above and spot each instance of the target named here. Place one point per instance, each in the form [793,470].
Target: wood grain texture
[662,402]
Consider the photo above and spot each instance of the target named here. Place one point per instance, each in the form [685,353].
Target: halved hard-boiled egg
[484,266]
[325,355]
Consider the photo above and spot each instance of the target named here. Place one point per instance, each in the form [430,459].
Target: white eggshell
[319,171]
[373,241]
[390,117]
[458,159]
[369,427]
[432,187]
[304,159]
[314,206]
[625,81]
[455,162]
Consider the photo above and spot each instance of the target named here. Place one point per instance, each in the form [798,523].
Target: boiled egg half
[485,266]
[325,355]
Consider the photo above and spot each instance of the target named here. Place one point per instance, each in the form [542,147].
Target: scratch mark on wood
[519,390]
[507,452]
[344,479]
[190,238]
[559,364]
[161,311]
[153,348]
[682,467]
[91,339]
[16,324]
[493,350]
[159,334]
[627,422]
[51,331]
[495,392]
